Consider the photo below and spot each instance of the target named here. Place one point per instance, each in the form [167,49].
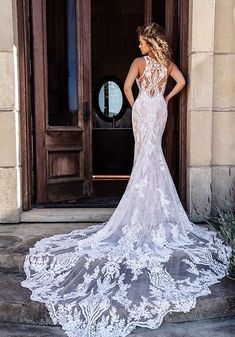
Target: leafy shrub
[224,222]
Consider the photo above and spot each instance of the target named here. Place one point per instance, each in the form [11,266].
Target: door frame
[22,11]
[183,64]
[25,79]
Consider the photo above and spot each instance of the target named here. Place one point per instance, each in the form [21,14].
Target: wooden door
[62,96]
[172,128]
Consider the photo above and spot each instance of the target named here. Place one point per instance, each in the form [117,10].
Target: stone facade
[10,171]
[211,109]
[211,106]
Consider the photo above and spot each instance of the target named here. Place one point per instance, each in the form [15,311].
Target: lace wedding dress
[146,261]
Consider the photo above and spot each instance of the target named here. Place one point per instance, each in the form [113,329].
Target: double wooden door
[62,91]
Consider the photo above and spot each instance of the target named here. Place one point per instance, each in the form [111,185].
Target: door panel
[62,99]
[172,127]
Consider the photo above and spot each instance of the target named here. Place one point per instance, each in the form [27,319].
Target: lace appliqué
[153,79]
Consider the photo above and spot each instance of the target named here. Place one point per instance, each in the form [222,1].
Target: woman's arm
[176,74]
[131,76]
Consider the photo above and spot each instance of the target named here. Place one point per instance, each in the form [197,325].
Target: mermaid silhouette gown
[146,261]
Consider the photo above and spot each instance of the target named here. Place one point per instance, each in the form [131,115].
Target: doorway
[81,51]
[114,45]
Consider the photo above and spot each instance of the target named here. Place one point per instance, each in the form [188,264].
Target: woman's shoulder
[139,60]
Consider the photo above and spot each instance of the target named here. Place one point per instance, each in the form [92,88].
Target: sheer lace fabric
[146,261]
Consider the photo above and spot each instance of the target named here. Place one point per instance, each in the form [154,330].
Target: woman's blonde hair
[157,40]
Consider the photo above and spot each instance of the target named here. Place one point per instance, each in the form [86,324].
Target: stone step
[25,330]
[16,306]
[206,328]
[15,240]
[51,215]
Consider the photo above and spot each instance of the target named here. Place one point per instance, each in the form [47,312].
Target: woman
[153,43]
[148,259]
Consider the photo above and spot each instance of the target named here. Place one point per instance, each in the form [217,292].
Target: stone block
[224,82]
[223,186]
[223,146]
[224,26]
[10,202]
[8,150]
[201,37]
[6,26]
[6,80]
[198,192]
[200,90]
[199,138]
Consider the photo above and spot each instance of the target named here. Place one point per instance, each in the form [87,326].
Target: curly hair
[157,40]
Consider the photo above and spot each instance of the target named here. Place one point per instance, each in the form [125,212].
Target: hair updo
[157,40]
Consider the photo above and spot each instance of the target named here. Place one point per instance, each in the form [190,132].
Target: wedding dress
[146,261]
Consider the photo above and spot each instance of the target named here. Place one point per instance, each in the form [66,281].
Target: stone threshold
[67,215]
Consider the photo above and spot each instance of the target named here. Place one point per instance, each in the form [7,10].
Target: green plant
[223,220]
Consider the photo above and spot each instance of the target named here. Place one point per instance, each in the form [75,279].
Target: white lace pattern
[146,261]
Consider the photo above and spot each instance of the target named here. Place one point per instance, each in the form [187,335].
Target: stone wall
[211,105]
[10,202]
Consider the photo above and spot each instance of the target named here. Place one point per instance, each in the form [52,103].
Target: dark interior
[114,47]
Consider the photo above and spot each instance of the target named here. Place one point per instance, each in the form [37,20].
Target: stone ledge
[67,215]
[207,328]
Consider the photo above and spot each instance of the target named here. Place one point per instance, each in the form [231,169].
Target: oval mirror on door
[110,102]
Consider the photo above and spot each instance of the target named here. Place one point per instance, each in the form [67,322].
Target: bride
[148,259]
